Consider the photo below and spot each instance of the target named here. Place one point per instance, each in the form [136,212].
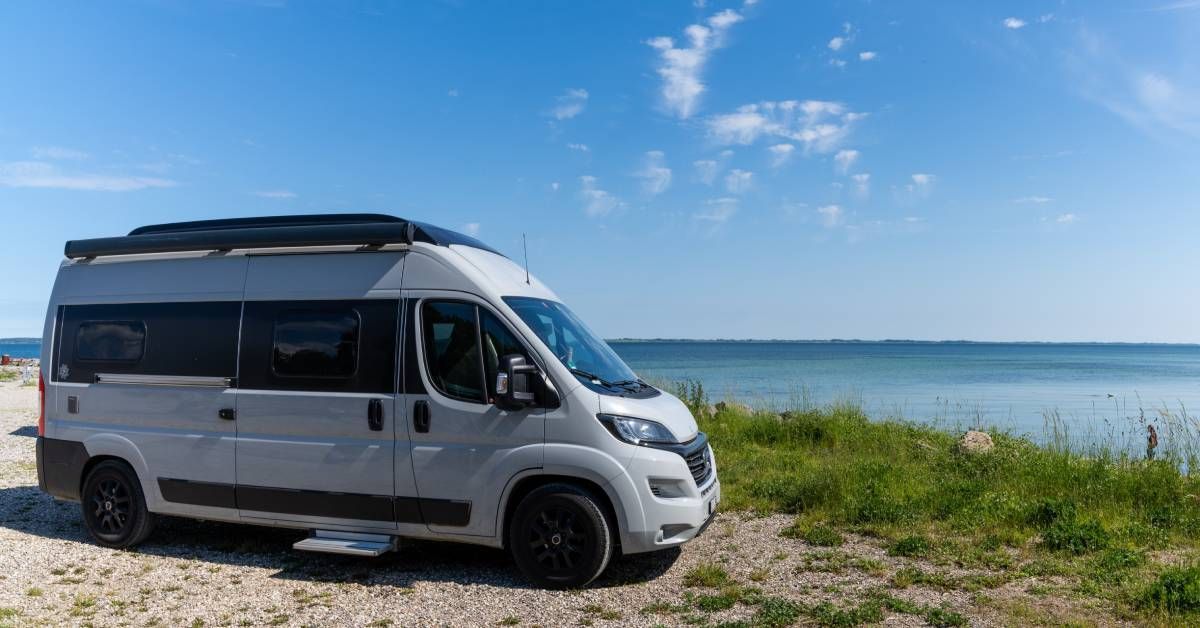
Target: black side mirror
[515,381]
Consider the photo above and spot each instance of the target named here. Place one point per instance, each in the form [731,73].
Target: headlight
[636,431]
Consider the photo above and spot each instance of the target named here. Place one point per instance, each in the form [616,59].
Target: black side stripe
[198,493]
[443,512]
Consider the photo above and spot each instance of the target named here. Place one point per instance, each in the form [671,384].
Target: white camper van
[365,378]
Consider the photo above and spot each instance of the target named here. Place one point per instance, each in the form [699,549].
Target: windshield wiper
[592,376]
[630,382]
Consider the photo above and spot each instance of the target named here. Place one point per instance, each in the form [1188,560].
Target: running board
[350,543]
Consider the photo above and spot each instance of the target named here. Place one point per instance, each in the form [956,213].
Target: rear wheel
[114,508]
[559,537]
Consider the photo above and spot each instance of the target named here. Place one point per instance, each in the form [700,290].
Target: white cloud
[655,175]
[718,210]
[836,43]
[817,124]
[867,55]
[597,202]
[583,148]
[780,154]
[844,159]
[471,229]
[554,186]
[738,181]
[1033,199]
[831,215]
[453,93]
[1066,219]
[923,180]
[862,184]
[1162,105]
[682,68]
[570,104]
[276,194]
[58,153]
[1013,23]
[706,170]
[837,63]
[39,174]
[1045,17]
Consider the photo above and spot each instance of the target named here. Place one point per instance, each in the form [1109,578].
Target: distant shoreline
[835,341]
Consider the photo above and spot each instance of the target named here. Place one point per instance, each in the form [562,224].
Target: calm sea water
[22,350]
[954,384]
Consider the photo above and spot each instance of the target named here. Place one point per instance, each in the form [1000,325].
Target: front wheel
[114,509]
[559,537]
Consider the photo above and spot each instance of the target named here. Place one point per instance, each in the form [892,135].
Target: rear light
[41,404]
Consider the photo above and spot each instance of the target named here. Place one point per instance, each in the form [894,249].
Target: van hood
[664,408]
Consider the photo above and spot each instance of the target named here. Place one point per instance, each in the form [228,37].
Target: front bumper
[674,519]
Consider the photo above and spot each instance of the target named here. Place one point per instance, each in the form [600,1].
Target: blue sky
[930,170]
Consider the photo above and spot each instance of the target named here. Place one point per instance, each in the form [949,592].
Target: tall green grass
[834,464]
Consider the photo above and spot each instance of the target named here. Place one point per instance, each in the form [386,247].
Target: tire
[559,537]
[114,508]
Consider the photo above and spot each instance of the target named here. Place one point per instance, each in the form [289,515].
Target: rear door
[464,448]
[315,408]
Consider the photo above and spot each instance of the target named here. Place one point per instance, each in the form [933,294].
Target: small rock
[733,406]
[974,442]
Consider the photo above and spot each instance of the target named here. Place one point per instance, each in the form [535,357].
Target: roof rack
[270,232]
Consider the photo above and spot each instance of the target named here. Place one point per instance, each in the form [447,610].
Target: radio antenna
[525,249]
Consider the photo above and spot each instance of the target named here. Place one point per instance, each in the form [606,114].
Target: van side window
[452,349]
[316,343]
[497,343]
[343,345]
[110,341]
[193,338]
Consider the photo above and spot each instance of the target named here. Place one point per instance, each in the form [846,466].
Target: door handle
[421,416]
[229,414]
[375,415]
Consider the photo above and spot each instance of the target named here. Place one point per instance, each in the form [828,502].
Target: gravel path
[196,573]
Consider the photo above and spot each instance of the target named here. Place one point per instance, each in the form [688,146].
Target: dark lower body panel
[60,466]
[317,503]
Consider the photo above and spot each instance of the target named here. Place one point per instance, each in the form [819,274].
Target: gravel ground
[198,573]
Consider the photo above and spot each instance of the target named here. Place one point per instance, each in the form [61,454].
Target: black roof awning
[270,232]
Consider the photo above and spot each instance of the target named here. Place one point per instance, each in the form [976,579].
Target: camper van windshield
[588,356]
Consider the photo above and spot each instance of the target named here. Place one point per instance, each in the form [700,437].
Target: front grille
[695,453]
[699,464]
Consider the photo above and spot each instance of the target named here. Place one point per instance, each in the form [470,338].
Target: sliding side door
[316,398]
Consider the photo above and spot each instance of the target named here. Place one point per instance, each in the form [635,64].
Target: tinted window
[497,343]
[110,341]
[190,339]
[313,343]
[335,346]
[452,349]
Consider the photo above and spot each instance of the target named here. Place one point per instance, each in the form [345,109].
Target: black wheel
[559,537]
[114,508]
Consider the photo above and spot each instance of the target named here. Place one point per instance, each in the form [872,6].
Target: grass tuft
[707,575]
[1176,590]
[914,546]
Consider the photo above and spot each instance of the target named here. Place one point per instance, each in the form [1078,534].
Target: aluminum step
[349,543]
